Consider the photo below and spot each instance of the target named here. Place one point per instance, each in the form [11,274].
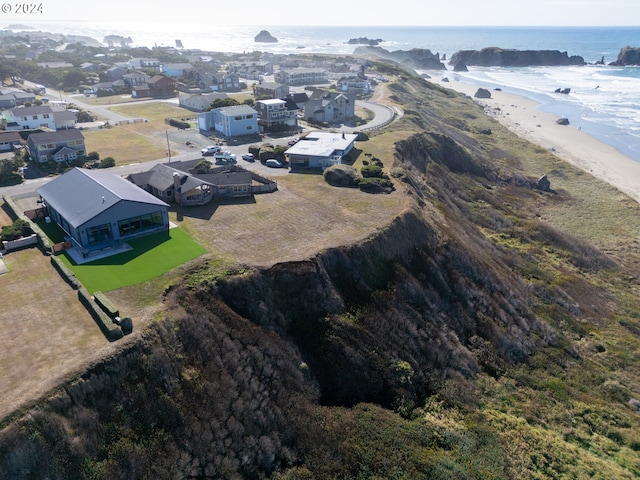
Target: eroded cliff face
[236,381]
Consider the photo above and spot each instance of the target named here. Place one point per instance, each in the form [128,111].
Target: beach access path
[522,116]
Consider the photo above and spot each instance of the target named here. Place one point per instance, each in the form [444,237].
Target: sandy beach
[522,116]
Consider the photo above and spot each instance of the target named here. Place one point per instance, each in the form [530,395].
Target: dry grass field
[46,333]
[138,142]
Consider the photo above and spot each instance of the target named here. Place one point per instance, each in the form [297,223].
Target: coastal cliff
[416,58]
[499,57]
[467,338]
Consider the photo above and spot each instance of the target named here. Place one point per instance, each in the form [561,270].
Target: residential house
[176,69]
[270,90]
[302,76]
[29,118]
[90,67]
[116,87]
[356,85]
[15,98]
[58,146]
[161,86]
[320,150]
[9,141]
[200,102]
[144,64]
[140,91]
[100,210]
[330,107]
[182,185]
[134,79]
[275,114]
[252,70]
[65,119]
[219,82]
[231,121]
[116,73]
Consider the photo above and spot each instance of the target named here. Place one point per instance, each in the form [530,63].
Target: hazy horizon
[496,13]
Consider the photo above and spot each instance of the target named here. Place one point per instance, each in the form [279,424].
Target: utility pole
[168,146]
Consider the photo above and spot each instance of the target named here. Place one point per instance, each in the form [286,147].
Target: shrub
[376,185]
[20,228]
[370,171]
[107,162]
[99,317]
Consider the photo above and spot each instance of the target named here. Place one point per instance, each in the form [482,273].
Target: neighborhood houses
[249,99]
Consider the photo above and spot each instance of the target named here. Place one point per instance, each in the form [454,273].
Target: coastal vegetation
[467,325]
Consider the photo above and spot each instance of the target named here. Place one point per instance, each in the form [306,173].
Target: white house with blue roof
[100,210]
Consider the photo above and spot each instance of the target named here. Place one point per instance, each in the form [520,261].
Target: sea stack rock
[627,56]
[416,58]
[500,57]
[265,37]
[562,121]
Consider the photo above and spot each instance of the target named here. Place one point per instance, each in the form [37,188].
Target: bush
[20,228]
[65,272]
[376,185]
[106,305]
[99,317]
[371,171]
[107,162]
[179,124]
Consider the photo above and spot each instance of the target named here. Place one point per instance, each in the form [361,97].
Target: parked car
[210,150]
[249,157]
[273,163]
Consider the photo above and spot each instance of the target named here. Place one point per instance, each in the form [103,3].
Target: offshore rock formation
[265,37]
[498,57]
[417,58]
[627,56]
[365,41]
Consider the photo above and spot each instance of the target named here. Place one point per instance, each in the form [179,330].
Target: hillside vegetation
[483,333]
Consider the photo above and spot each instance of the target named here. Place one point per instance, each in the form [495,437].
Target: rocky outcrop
[499,57]
[460,67]
[482,93]
[365,41]
[265,37]
[416,58]
[627,56]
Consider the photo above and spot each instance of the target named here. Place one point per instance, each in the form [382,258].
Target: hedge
[99,317]
[65,272]
[106,305]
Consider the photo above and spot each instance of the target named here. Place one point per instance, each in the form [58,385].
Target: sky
[337,12]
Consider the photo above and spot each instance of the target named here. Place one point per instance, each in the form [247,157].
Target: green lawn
[151,256]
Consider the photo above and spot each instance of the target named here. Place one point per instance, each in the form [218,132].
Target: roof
[322,144]
[24,111]
[237,110]
[80,195]
[10,137]
[272,101]
[57,136]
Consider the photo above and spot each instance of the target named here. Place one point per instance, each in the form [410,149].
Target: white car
[249,157]
[210,150]
[273,163]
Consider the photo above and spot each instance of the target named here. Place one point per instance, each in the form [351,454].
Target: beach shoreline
[522,116]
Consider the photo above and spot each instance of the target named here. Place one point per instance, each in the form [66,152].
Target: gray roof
[237,110]
[57,136]
[80,195]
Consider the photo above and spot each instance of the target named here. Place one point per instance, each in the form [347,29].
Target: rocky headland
[627,56]
[416,58]
[499,57]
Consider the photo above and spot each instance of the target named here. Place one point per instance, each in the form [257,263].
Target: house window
[35,117]
[99,234]
[46,115]
[134,225]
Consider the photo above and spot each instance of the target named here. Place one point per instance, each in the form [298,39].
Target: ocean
[604,100]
